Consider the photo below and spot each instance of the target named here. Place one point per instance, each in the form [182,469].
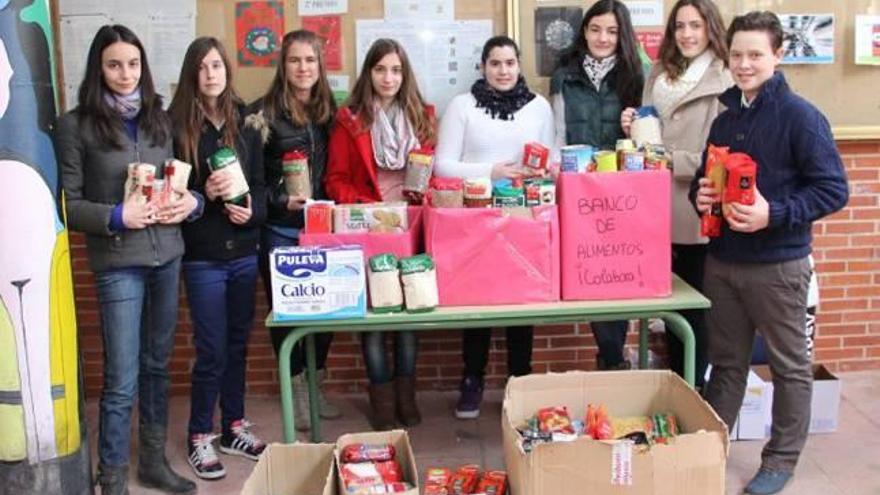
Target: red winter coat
[351,166]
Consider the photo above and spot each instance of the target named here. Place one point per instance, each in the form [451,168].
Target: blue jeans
[221,305]
[375,357]
[270,239]
[138,318]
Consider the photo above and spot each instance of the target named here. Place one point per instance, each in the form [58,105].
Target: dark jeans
[475,350]
[610,338]
[770,298]
[138,318]
[375,357]
[688,262]
[221,306]
[271,239]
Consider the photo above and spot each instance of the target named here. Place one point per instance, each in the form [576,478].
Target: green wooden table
[683,297]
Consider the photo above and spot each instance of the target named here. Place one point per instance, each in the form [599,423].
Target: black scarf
[501,104]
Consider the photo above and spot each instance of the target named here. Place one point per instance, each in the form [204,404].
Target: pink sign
[615,232]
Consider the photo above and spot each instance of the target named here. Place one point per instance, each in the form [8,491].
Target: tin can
[621,146]
[224,161]
[633,161]
[606,161]
[576,158]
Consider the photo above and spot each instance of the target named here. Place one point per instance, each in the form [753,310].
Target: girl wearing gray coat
[134,249]
[684,86]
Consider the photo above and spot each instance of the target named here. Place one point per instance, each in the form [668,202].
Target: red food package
[598,424]
[716,156]
[535,156]
[464,481]
[319,217]
[365,474]
[741,173]
[364,452]
[437,481]
[555,420]
[492,483]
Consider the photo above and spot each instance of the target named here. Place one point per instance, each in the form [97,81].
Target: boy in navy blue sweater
[757,272]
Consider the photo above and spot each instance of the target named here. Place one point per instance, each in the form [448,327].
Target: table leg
[643,344]
[682,329]
[286,387]
[311,375]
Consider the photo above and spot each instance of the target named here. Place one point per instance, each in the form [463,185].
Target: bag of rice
[383,276]
[419,283]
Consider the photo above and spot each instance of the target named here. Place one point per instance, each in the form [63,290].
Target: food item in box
[665,426]
[446,192]
[507,195]
[621,146]
[478,192]
[632,161]
[555,419]
[492,483]
[645,128]
[606,161]
[176,174]
[398,487]
[437,481]
[540,192]
[380,218]
[465,480]
[710,222]
[319,216]
[576,158]
[356,475]
[535,156]
[740,183]
[598,424]
[139,181]
[419,283]
[367,452]
[295,166]
[622,427]
[386,295]
[656,157]
[224,161]
[418,171]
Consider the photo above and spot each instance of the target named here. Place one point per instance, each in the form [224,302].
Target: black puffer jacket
[279,137]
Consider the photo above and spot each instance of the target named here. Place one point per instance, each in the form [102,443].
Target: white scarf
[597,69]
[668,93]
[393,137]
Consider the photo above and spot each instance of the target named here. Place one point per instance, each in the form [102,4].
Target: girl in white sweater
[482,134]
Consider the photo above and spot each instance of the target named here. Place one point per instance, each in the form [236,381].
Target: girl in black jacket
[220,263]
[295,115]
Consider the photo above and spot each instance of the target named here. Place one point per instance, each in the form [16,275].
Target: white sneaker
[203,458]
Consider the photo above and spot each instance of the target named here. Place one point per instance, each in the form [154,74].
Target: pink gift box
[615,229]
[485,256]
[401,244]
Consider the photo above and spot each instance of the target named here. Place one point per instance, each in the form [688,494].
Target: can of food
[656,157]
[633,161]
[576,158]
[477,192]
[224,161]
[621,146]
[295,166]
[606,161]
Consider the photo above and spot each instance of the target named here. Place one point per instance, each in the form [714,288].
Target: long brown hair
[321,107]
[673,62]
[187,109]
[408,97]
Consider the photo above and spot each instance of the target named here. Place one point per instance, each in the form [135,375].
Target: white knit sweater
[470,142]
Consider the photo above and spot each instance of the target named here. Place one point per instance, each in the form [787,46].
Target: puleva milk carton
[316,283]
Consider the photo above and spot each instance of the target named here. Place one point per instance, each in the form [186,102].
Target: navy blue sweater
[799,171]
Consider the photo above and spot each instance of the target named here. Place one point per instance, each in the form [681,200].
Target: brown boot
[407,409]
[382,405]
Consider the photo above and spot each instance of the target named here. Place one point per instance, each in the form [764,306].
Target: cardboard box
[403,454]
[750,424]
[401,245]
[692,464]
[825,405]
[288,469]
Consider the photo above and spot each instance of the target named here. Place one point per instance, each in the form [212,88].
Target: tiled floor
[843,463]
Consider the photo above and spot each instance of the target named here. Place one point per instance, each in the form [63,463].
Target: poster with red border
[650,41]
[329,29]
[259,27]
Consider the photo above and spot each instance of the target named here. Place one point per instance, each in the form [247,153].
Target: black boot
[113,479]
[153,468]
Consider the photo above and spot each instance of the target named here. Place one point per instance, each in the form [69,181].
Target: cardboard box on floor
[755,409]
[825,405]
[403,454]
[293,469]
[692,464]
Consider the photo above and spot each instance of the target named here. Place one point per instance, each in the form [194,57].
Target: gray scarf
[393,137]
[127,106]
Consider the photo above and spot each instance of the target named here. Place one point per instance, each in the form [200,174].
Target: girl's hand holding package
[239,214]
[513,170]
[217,186]
[296,202]
[707,194]
[626,119]
[748,218]
[176,210]
[137,215]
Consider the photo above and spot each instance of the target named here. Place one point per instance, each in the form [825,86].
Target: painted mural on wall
[39,396]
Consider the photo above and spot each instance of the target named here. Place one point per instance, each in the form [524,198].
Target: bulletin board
[217,18]
[845,92]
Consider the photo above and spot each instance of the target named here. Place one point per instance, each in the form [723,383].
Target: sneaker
[471,395]
[203,458]
[240,441]
[768,482]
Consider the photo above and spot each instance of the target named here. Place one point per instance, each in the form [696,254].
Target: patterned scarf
[393,137]
[597,69]
[127,106]
[501,104]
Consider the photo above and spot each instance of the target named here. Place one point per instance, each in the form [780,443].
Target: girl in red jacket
[384,119]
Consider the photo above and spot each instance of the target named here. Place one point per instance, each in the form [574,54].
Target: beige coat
[684,133]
